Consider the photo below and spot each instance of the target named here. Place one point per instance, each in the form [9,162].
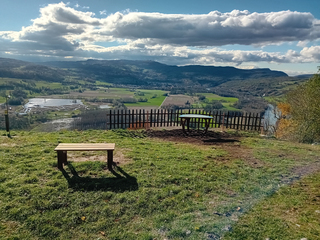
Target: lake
[49,102]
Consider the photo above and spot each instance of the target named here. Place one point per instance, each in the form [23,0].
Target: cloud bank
[62,31]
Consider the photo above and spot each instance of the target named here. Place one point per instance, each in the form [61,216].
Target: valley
[122,84]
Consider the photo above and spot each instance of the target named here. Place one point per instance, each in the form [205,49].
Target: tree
[304,111]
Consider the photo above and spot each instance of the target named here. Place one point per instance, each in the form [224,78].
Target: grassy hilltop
[189,188]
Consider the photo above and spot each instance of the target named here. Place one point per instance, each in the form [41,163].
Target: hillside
[150,72]
[130,72]
[11,68]
[247,85]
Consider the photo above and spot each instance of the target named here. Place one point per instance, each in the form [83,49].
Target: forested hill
[12,68]
[129,72]
[148,72]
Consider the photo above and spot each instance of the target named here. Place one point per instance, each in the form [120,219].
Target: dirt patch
[8,144]
[179,100]
[231,143]
[194,136]
[118,157]
[306,170]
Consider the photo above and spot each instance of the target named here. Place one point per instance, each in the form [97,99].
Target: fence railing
[135,119]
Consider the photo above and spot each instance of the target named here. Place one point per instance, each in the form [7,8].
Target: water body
[105,106]
[49,102]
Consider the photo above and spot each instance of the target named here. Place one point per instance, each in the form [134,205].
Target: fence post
[222,124]
[261,125]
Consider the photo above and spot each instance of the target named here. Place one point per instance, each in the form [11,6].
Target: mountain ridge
[134,72]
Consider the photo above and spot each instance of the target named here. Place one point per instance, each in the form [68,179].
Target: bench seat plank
[62,149]
[85,146]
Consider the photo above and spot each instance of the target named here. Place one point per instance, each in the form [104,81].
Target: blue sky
[281,35]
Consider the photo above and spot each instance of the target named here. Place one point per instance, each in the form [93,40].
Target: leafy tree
[303,113]
[214,105]
[202,97]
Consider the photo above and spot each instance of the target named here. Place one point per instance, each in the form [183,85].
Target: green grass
[293,212]
[211,96]
[103,83]
[166,189]
[62,114]
[227,102]
[52,85]
[4,80]
[152,101]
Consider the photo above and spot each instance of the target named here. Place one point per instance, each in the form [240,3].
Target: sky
[277,34]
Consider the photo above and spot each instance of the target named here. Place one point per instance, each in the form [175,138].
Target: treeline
[45,75]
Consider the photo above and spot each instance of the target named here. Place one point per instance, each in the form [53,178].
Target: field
[178,99]
[155,98]
[227,102]
[164,186]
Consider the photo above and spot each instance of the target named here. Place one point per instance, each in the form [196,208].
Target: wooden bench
[62,149]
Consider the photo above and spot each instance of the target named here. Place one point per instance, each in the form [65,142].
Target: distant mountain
[148,72]
[129,72]
[304,76]
[12,68]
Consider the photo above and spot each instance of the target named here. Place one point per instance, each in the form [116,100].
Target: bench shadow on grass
[120,183]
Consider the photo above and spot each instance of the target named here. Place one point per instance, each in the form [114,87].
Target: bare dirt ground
[179,100]
[118,157]
[194,137]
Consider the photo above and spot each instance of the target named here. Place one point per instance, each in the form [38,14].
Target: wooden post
[110,159]
[143,118]
[227,118]
[121,118]
[222,125]
[161,116]
[129,118]
[62,158]
[238,115]
[249,121]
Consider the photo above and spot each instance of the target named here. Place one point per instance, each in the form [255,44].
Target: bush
[301,119]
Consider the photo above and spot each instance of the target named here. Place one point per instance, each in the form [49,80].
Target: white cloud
[104,12]
[302,43]
[63,31]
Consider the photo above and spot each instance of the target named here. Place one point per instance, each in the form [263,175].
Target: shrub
[301,112]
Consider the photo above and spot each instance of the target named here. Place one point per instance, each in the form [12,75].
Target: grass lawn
[155,98]
[52,85]
[293,212]
[211,96]
[227,102]
[160,189]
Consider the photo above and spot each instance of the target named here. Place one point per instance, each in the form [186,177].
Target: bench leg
[62,158]
[110,159]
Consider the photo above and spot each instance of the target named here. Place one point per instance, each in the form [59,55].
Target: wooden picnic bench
[62,149]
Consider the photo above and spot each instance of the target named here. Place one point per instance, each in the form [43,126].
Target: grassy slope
[226,101]
[292,213]
[151,101]
[167,190]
